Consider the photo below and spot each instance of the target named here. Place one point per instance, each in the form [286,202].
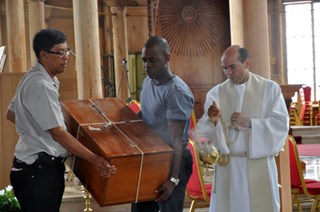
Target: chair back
[301,105]
[196,187]
[296,175]
[297,109]
[302,190]
[307,93]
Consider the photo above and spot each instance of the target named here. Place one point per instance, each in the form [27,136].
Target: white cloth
[266,138]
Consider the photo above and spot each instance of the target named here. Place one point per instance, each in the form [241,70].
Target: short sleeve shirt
[37,109]
[170,101]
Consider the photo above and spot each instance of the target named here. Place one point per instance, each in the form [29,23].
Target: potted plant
[8,202]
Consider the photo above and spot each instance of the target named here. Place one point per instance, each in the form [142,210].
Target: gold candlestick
[87,196]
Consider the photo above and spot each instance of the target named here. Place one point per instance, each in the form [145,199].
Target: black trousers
[175,202]
[39,187]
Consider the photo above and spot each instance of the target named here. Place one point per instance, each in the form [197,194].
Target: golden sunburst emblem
[190,26]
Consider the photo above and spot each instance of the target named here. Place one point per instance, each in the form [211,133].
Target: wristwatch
[174,180]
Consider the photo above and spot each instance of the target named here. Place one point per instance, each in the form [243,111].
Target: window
[303,44]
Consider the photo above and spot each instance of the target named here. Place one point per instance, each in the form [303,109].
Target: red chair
[307,93]
[302,190]
[317,116]
[297,109]
[197,190]
[308,113]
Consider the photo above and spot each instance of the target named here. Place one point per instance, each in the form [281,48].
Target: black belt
[45,158]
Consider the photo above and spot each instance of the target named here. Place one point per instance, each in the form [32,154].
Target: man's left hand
[241,120]
[166,190]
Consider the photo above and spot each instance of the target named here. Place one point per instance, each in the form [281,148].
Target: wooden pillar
[249,28]
[1,42]
[236,22]
[277,41]
[16,58]
[107,54]
[36,22]
[256,35]
[120,46]
[252,32]
[87,48]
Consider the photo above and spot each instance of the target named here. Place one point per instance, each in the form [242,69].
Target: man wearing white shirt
[248,121]
[37,174]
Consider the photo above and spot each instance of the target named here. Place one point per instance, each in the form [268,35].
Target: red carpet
[309,149]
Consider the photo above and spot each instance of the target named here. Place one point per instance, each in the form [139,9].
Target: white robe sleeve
[207,129]
[269,133]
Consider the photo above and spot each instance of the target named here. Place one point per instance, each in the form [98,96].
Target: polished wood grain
[142,158]
[288,92]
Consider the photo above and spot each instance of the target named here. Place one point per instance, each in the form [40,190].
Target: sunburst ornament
[190,26]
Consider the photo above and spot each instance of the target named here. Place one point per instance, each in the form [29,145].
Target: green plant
[8,202]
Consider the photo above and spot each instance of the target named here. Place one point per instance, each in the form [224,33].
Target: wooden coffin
[142,158]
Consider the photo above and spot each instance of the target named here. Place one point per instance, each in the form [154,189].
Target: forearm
[176,132]
[72,144]
[176,160]
[11,116]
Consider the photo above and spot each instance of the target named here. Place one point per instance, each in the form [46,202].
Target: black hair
[159,42]
[45,39]
[243,54]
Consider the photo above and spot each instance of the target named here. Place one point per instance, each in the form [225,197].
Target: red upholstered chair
[197,190]
[302,190]
[297,109]
[307,93]
[308,113]
[317,116]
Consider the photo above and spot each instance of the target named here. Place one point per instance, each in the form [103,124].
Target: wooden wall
[8,135]
[197,35]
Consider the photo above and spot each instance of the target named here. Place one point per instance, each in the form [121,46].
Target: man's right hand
[214,112]
[103,167]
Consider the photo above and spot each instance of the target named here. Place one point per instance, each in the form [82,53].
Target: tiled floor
[73,201]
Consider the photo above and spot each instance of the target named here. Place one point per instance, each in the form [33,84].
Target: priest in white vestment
[247,119]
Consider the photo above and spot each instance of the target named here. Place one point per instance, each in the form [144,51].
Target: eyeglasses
[60,53]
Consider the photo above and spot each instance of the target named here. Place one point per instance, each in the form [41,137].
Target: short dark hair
[159,42]
[243,54]
[45,39]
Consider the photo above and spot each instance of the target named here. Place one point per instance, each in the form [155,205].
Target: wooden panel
[199,94]
[197,33]
[142,158]
[288,92]
[137,28]
[8,134]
